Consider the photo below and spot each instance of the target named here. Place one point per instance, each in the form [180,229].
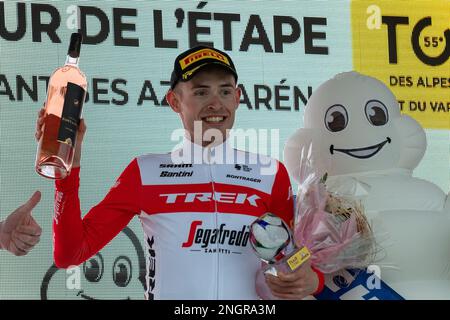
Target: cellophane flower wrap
[331,225]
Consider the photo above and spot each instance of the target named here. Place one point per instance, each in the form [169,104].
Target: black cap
[188,63]
[75,45]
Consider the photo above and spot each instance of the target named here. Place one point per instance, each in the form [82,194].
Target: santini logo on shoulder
[167,174]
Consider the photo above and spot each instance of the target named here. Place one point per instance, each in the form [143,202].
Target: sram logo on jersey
[221,235]
[225,197]
[173,165]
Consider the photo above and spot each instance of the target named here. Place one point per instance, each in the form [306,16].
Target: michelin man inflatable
[370,149]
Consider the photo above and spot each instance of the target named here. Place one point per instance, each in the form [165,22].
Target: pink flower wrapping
[332,226]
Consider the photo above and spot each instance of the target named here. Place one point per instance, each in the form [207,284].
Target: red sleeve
[76,239]
[282,200]
[321,278]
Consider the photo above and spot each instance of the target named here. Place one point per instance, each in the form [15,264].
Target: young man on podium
[195,203]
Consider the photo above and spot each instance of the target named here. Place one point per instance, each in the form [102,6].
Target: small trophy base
[287,264]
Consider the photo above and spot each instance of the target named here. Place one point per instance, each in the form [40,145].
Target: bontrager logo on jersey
[225,197]
[221,235]
[232,176]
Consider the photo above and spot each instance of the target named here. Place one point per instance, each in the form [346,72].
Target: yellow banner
[406,44]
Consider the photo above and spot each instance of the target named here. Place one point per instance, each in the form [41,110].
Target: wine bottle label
[70,117]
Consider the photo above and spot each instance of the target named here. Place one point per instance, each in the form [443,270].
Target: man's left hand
[296,285]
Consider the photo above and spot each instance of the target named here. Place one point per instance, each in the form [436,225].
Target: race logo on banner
[408,48]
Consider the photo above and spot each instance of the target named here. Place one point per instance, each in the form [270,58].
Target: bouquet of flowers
[330,229]
[331,225]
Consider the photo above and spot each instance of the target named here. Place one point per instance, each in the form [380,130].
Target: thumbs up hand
[19,233]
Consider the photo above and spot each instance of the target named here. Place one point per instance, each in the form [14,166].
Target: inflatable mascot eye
[122,271]
[376,113]
[336,118]
[93,268]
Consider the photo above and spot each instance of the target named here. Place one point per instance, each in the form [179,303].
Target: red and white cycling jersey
[195,216]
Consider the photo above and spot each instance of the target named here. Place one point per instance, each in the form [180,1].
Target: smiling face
[354,124]
[210,98]
[336,119]
[116,272]
[354,117]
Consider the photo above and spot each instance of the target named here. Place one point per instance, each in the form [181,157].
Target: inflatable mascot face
[355,125]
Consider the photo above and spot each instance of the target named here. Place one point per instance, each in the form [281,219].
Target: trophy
[272,241]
